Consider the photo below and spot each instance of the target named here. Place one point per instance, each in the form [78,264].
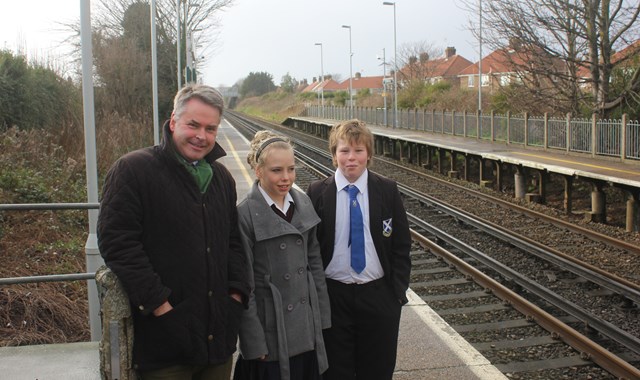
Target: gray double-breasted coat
[289,305]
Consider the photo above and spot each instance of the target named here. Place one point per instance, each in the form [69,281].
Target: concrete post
[598,203]
[542,185]
[568,194]
[519,183]
[632,211]
[467,161]
[498,175]
[116,346]
[453,173]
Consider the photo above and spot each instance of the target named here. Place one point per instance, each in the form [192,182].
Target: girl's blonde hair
[262,143]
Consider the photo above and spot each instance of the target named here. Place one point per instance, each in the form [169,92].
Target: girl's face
[278,173]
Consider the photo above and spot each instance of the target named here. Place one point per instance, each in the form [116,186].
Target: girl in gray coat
[281,331]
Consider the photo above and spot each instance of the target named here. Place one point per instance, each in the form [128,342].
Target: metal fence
[598,137]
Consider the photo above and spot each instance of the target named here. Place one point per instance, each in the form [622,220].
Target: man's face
[352,159]
[194,133]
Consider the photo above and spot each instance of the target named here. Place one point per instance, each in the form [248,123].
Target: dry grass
[49,167]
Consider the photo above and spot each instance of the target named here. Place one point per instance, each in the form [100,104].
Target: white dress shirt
[288,200]
[339,268]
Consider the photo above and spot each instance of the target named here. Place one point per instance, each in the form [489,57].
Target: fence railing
[598,137]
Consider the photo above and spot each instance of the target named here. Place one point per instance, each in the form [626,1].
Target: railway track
[578,318]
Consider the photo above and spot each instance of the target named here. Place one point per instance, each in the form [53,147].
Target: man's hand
[236,296]
[163,309]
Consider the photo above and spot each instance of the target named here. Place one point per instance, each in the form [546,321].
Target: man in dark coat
[168,230]
[365,244]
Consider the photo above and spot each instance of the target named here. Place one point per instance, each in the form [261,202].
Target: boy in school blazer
[365,303]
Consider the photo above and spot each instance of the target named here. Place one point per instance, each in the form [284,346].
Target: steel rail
[606,328]
[593,351]
[596,275]
[48,206]
[47,278]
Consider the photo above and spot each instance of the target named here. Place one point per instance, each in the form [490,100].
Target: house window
[470,82]
[505,79]
[485,80]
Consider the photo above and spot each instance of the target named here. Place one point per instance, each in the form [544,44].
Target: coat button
[286,276]
[208,249]
[210,338]
[300,270]
[283,245]
[141,307]
[289,307]
[210,293]
[303,300]
[299,241]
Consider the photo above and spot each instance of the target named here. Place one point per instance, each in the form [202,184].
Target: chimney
[515,43]
[424,57]
[358,75]
[314,80]
[449,52]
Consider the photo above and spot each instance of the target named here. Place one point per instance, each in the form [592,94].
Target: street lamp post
[395,64]
[480,60]
[384,83]
[178,38]
[350,73]
[321,78]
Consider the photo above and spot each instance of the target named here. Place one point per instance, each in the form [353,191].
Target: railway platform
[428,348]
[495,160]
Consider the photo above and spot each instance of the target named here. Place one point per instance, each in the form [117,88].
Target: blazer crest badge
[387,227]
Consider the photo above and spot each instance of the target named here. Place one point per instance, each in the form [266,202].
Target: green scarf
[201,172]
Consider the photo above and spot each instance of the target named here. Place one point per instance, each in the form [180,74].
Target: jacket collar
[167,145]
[263,217]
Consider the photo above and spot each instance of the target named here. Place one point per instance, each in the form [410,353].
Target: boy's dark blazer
[384,203]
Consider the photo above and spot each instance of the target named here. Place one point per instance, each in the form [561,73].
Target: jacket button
[286,276]
[210,293]
[299,241]
[141,307]
[289,307]
[303,300]
[208,249]
[300,270]
[283,245]
[210,338]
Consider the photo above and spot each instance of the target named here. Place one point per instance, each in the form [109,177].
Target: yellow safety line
[577,163]
[246,174]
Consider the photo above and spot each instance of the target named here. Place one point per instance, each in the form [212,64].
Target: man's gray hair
[206,94]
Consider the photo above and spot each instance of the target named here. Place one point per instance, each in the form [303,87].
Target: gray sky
[277,36]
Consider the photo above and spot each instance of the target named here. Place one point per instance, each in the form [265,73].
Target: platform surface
[610,169]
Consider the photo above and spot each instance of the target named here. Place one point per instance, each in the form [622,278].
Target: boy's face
[352,159]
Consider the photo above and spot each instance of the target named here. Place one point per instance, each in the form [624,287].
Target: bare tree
[564,48]
[413,58]
[198,20]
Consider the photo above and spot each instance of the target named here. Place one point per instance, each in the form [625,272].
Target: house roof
[358,83]
[499,61]
[440,67]
[510,60]
[626,55]
[326,84]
